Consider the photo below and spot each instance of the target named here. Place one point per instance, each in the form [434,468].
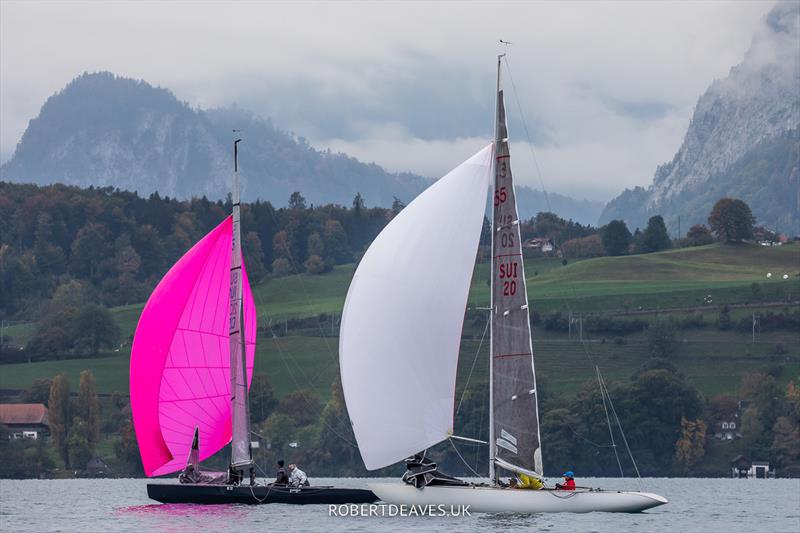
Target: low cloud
[606,89]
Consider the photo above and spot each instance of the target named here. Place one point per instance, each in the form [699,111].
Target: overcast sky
[606,88]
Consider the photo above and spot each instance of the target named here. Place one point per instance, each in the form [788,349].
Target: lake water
[763,505]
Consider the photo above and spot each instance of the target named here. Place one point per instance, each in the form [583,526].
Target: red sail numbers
[508,272]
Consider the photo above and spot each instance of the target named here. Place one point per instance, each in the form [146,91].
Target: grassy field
[712,359]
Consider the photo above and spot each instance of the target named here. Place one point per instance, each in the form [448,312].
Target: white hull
[499,500]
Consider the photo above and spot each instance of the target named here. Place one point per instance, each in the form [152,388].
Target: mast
[492,475]
[241,454]
[515,443]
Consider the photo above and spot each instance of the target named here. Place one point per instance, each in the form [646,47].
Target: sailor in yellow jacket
[529,482]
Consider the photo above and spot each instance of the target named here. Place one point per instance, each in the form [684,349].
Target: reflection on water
[179,517]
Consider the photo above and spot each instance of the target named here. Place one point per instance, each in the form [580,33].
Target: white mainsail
[403,316]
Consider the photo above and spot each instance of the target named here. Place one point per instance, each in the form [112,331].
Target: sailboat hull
[260,494]
[499,500]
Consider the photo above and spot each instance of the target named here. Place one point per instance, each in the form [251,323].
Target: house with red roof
[25,420]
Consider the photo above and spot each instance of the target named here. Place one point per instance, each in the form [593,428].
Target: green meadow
[674,282]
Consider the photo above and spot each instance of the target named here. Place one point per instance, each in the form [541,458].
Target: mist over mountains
[105,130]
[743,141]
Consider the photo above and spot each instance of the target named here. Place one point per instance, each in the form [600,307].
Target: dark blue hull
[221,494]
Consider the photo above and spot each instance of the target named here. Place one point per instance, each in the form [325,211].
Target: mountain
[105,130]
[743,141]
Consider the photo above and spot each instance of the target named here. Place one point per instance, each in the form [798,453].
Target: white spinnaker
[403,316]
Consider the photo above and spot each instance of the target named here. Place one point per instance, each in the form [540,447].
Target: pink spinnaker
[180,360]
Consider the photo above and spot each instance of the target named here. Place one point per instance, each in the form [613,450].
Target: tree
[94,328]
[314,265]
[281,267]
[583,247]
[731,220]
[616,238]
[39,391]
[262,397]
[651,410]
[335,241]
[655,237]
[79,450]
[690,447]
[753,431]
[302,406]
[661,339]
[58,415]
[315,245]
[699,235]
[254,255]
[786,440]
[127,450]
[297,201]
[89,408]
[334,445]
[721,408]
[724,320]
[89,248]
[358,204]
[557,431]
[279,429]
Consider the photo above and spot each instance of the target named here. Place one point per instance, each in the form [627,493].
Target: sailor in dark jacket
[281,478]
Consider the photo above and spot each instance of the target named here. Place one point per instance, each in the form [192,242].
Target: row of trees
[730,221]
[668,424]
[118,245]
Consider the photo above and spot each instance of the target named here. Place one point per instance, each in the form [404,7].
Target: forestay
[514,398]
[403,316]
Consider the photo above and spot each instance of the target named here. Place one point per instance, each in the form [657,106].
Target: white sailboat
[399,344]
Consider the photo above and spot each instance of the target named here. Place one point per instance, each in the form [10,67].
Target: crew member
[569,481]
[281,478]
[297,478]
[529,482]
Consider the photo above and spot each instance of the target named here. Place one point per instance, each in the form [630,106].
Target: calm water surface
[711,505]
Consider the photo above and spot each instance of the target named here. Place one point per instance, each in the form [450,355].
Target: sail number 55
[500,196]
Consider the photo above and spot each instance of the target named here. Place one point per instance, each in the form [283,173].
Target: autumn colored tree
[690,447]
[731,220]
[699,235]
[786,440]
[58,415]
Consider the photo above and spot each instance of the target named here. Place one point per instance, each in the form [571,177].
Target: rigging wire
[453,444]
[472,368]
[282,352]
[527,133]
[608,420]
[619,424]
[294,379]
